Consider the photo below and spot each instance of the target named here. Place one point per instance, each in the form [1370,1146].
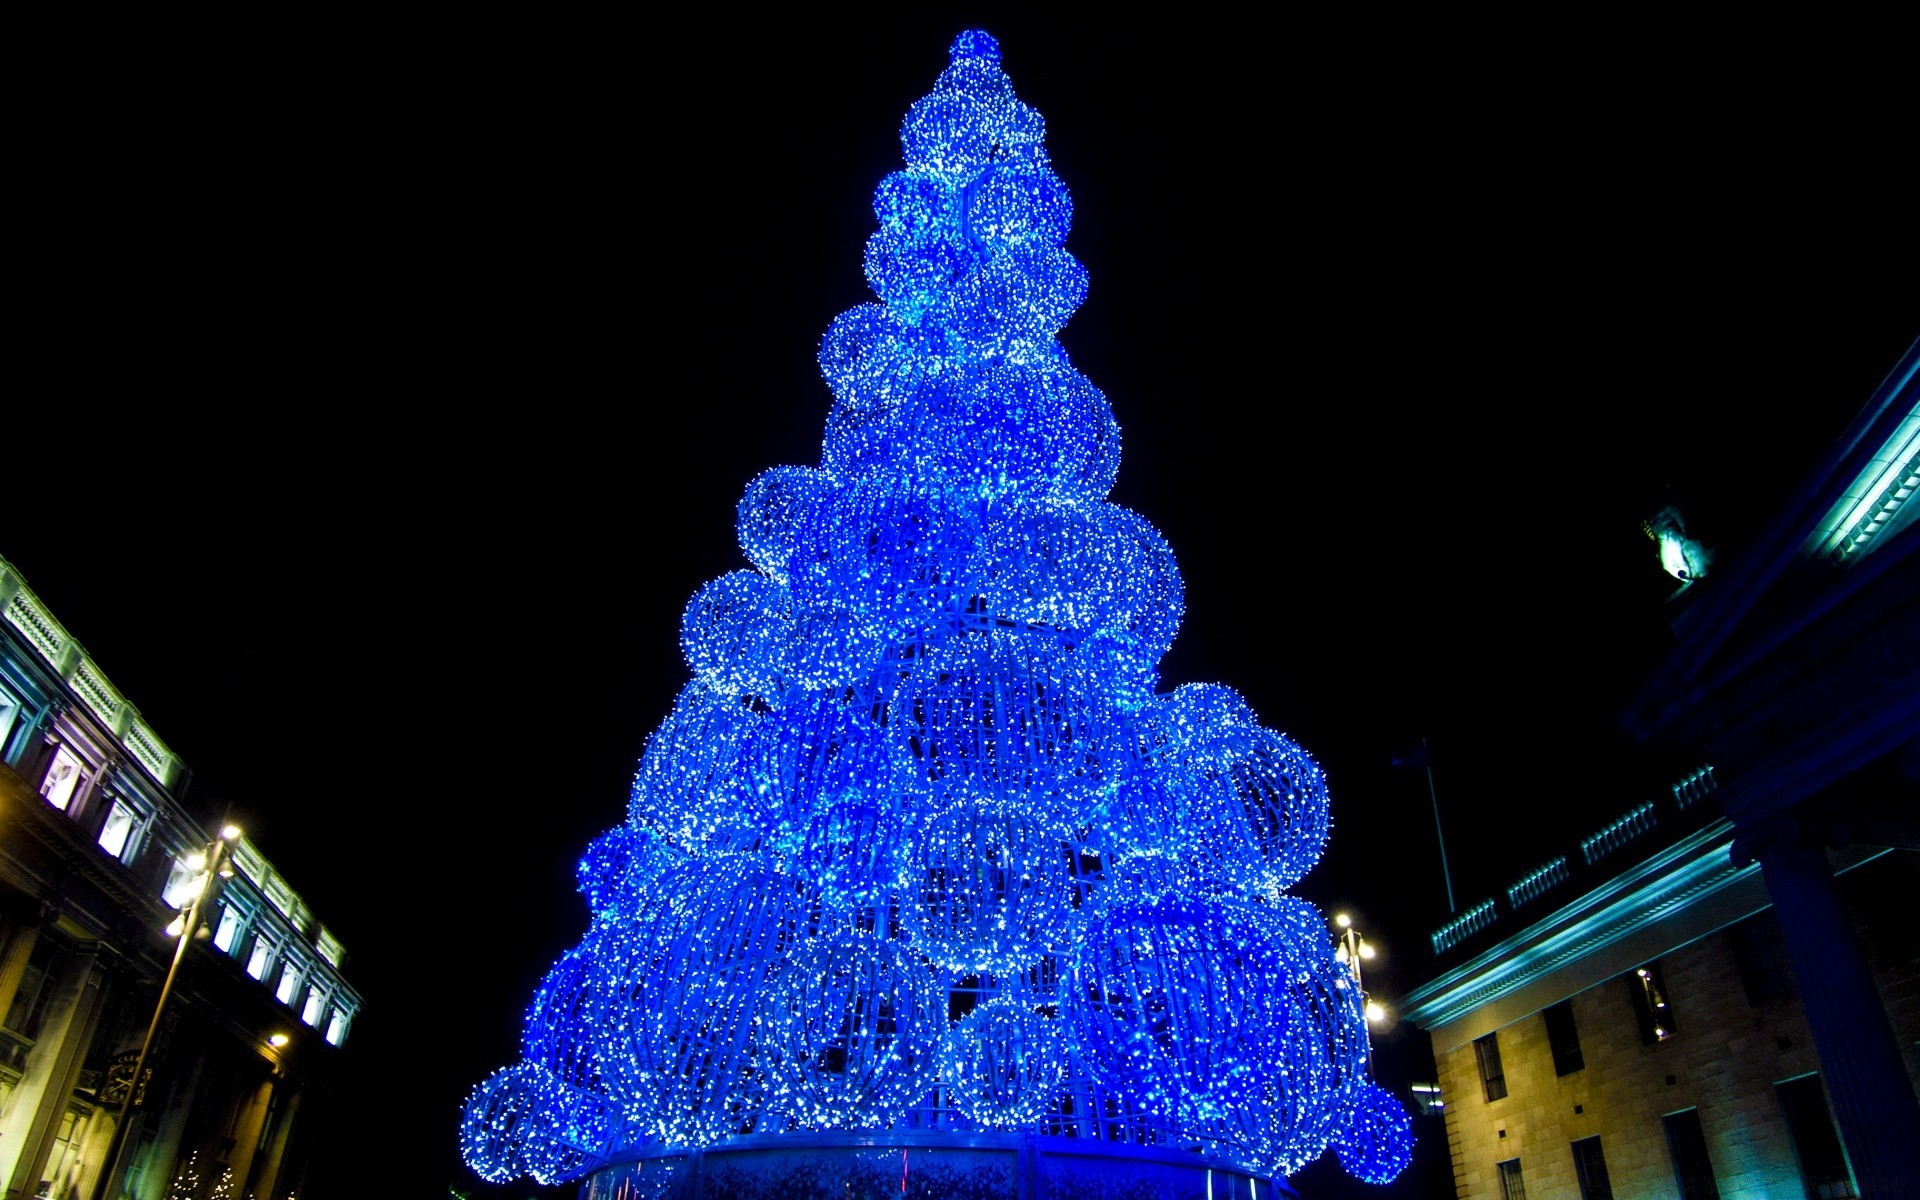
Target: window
[1687,1145]
[63,1163]
[1511,1186]
[34,995]
[1761,954]
[316,1004]
[1823,1162]
[289,982]
[260,959]
[9,713]
[64,776]
[227,936]
[1563,1038]
[124,829]
[1650,1005]
[337,1025]
[183,881]
[1590,1168]
[1491,1075]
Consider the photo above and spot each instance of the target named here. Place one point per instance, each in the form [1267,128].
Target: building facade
[101,856]
[1717,994]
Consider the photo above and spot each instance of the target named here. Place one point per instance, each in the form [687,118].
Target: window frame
[72,787]
[1563,1038]
[1513,1185]
[11,708]
[1652,1003]
[1590,1168]
[1811,1130]
[1687,1151]
[1486,1050]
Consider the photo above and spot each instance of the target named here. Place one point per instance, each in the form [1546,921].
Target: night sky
[389,392]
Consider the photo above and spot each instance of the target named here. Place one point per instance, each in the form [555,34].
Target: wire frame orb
[996,885]
[817,752]
[852,1021]
[770,514]
[1257,812]
[558,1031]
[1043,562]
[725,926]
[851,851]
[1005,713]
[685,786]
[1177,1001]
[524,1120]
[883,550]
[735,635]
[1317,1048]
[1375,1143]
[621,863]
[1003,1063]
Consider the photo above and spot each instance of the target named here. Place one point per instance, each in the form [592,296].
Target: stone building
[1717,993]
[103,855]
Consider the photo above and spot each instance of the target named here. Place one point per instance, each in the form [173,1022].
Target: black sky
[388,391]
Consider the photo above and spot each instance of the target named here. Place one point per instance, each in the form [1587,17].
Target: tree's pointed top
[974,43]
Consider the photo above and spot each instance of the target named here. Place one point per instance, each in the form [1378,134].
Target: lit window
[229,931]
[183,883]
[1492,1076]
[63,1162]
[260,959]
[289,983]
[1651,1006]
[116,836]
[63,776]
[337,1026]
[316,1003]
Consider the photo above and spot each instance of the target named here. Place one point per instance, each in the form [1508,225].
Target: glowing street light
[1352,950]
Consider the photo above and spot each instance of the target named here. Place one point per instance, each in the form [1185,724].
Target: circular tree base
[955,1166]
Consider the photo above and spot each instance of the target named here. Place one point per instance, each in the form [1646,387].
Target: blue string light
[921,841]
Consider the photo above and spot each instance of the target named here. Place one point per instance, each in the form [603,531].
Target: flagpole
[1445,874]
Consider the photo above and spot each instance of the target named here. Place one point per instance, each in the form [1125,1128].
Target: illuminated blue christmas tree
[921,845]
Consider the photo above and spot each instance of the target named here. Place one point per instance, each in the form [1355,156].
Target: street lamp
[212,866]
[1351,952]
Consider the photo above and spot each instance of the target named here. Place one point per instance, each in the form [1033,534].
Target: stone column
[65,1050]
[269,1178]
[247,1128]
[1860,1060]
[22,931]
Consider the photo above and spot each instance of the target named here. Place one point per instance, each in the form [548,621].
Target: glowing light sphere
[1004,1062]
[922,844]
[733,922]
[996,888]
[623,860]
[523,1120]
[854,1021]
[1376,1143]
[1176,999]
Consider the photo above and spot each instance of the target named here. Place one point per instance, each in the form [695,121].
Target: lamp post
[184,927]
[1351,951]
